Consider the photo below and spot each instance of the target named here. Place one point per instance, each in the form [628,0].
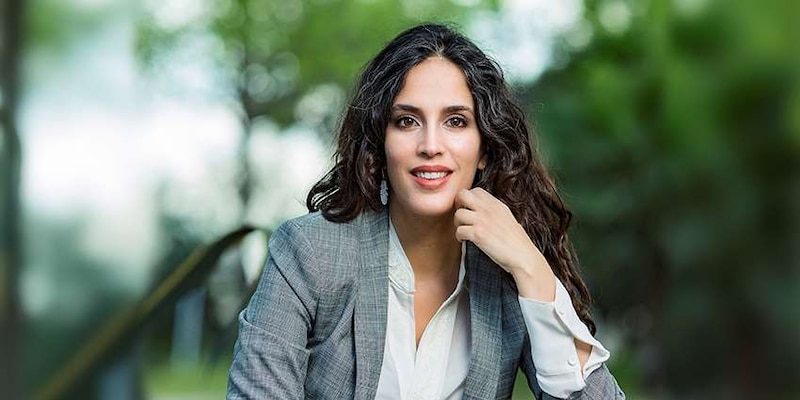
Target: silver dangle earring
[384,192]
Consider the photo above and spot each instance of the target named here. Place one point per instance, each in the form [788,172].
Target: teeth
[431,175]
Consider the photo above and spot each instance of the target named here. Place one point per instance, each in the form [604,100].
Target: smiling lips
[431,176]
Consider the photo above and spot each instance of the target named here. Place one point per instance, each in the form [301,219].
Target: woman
[434,261]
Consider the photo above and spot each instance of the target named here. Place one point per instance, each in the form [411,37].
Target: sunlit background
[137,134]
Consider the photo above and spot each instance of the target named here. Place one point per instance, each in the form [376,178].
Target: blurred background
[149,147]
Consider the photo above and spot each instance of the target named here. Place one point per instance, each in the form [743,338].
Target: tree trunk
[10,260]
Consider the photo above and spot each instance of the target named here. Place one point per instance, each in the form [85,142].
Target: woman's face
[433,146]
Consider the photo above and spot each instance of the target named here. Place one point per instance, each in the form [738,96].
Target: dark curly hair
[514,174]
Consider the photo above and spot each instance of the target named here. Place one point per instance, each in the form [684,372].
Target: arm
[270,356]
[564,350]
[555,338]
[600,385]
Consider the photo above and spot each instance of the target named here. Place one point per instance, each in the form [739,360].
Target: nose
[430,142]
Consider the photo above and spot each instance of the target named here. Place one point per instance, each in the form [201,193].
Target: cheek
[394,164]
[471,152]
[396,153]
[392,160]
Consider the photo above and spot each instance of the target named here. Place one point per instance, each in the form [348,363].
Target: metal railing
[120,330]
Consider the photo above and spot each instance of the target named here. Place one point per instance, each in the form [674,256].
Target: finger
[487,198]
[464,216]
[464,232]
[466,199]
[479,191]
[482,195]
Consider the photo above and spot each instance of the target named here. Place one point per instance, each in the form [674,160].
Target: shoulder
[325,253]
[314,230]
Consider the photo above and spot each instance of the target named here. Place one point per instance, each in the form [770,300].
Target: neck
[429,243]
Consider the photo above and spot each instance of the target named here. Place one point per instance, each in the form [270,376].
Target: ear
[482,162]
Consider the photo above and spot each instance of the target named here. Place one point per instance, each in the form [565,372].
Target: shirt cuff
[552,328]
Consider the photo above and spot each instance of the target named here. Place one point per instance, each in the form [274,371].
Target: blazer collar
[485,296]
[369,319]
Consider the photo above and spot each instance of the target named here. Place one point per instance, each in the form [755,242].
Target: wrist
[535,279]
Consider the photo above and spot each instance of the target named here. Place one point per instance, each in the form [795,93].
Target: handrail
[123,327]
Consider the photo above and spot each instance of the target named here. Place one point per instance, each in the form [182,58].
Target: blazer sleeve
[600,384]
[270,356]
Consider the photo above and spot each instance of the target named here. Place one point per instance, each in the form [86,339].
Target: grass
[170,382]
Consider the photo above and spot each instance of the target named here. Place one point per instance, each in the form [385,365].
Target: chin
[434,207]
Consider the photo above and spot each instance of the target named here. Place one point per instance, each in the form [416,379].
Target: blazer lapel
[369,320]
[485,292]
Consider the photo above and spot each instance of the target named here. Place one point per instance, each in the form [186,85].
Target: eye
[456,122]
[404,122]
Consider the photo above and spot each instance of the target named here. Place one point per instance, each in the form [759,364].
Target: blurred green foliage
[674,134]
[274,52]
[676,144]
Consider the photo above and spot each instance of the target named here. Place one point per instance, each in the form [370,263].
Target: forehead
[435,83]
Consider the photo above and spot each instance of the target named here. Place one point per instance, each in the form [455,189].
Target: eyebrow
[414,109]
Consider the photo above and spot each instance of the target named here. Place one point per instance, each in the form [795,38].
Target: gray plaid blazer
[316,325]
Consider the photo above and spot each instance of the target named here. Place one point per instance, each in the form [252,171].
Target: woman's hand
[488,223]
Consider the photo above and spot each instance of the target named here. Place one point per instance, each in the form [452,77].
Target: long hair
[514,173]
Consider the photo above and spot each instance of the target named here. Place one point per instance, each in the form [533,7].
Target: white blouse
[437,368]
